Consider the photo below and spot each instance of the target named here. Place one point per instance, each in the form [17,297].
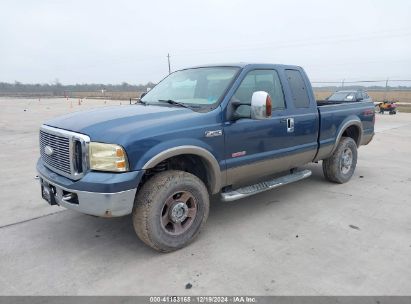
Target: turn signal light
[268,106]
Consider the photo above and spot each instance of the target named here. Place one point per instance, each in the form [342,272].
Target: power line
[274,45]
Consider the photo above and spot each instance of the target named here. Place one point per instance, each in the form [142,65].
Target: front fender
[171,148]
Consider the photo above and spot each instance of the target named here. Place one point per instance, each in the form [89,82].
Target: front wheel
[340,166]
[170,210]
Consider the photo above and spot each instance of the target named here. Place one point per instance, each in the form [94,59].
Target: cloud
[106,41]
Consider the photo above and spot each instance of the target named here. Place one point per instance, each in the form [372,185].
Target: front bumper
[107,194]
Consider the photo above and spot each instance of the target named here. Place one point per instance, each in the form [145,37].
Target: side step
[264,186]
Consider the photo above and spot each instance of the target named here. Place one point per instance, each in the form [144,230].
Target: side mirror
[261,105]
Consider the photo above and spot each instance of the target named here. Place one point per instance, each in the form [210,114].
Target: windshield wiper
[173,102]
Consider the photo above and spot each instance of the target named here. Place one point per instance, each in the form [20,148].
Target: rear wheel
[170,210]
[340,166]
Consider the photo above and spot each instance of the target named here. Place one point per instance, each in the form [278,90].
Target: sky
[128,41]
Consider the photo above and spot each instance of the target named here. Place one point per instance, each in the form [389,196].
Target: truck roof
[244,64]
[350,91]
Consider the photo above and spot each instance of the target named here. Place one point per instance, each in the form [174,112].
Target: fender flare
[209,159]
[351,122]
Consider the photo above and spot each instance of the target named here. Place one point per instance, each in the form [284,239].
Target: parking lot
[307,238]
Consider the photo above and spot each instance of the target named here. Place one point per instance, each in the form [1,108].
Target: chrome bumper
[93,203]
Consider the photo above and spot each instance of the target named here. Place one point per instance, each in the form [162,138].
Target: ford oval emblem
[48,150]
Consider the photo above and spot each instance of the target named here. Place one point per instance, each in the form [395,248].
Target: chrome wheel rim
[346,161]
[178,213]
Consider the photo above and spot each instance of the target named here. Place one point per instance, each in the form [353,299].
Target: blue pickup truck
[232,129]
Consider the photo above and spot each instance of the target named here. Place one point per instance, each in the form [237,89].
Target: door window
[261,80]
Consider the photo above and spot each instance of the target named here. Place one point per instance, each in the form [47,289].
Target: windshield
[197,87]
[342,96]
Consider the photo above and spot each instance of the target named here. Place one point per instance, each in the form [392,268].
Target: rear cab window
[298,89]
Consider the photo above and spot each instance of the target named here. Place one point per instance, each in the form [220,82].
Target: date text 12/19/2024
[203,299]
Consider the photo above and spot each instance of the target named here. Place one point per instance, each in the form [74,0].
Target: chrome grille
[60,159]
[69,156]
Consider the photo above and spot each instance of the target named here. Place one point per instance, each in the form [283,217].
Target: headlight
[107,157]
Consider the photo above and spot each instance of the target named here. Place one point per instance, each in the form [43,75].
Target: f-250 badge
[213,133]
[238,154]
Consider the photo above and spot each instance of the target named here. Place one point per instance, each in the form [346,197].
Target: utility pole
[342,83]
[386,89]
[169,67]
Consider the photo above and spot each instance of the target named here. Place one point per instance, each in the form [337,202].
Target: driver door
[258,148]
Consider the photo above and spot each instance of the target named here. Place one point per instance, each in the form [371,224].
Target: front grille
[60,159]
[64,152]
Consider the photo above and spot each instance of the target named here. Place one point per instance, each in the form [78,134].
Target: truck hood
[112,124]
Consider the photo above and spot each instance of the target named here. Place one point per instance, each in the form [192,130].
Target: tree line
[57,88]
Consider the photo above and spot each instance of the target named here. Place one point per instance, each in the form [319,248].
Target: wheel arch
[212,167]
[352,127]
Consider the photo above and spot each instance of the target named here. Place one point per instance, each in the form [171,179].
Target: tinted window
[261,80]
[298,89]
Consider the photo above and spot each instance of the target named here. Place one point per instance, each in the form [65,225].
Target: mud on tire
[340,166]
[170,210]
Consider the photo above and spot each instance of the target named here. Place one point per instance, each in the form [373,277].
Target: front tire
[340,166]
[170,210]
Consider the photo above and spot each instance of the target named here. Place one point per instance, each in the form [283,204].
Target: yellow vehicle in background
[386,106]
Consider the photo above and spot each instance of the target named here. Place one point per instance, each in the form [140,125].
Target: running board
[264,186]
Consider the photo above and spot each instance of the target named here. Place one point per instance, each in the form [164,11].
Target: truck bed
[333,116]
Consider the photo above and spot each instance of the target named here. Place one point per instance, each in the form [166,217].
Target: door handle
[290,125]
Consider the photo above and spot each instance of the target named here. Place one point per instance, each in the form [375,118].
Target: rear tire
[170,210]
[340,166]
